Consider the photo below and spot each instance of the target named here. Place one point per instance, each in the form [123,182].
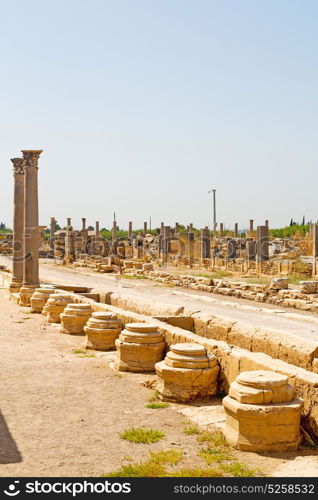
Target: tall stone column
[83,223]
[205,243]
[129,229]
[161,228]
[18,224]
[190,227]
[267,223]
[262,246]
[145,228]
[68,222]
[176,228]
[97,229]
[31,226]
[221,228]
[251,225]
[236,230]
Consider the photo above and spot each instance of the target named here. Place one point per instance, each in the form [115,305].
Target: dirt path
[61,413]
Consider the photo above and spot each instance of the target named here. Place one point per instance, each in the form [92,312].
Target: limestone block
[55,306]
[262,428]
[26,294]
[308,286]
[279,283]
[102,329]
[147,266]
[188,372]
[261,386]
[74,318]
[262,413]
[39,298]
[139,347]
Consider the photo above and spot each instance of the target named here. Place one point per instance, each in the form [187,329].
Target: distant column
[262,247]
[97,229]
[129,229]
[251,225]
[231,248]
[266,222]
[205,243]
[190,245]
[250,250]
[161,227]
[83,224]
[166,242]
[52,235]
[236,230]
[176,228]
[314,232]
[221,228]
[18,216]
[69,255]
[68,221]
[190,227]
[114,237]
[31,226]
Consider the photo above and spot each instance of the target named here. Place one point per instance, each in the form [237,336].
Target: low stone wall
[240,289]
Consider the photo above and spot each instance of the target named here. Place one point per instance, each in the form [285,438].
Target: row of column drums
[262,412]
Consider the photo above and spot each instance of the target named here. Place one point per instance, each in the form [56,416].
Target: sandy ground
[61,413]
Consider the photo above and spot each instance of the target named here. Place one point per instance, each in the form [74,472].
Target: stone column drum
[102,329]
[262,413]
[31,227]
[40,298]
[55,306]
[18,224]
[188,372]
[139,347]
[74,318]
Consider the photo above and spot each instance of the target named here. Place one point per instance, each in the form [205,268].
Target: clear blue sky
[142,106]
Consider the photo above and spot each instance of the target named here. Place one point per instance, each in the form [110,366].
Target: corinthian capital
[18,164]
[31,157]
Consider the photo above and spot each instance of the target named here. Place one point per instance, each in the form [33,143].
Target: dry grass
[142,435]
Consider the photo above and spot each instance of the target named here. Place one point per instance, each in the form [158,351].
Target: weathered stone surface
[187,373]
[74,318]
[139,347]
[102,329]
[308,286]
[39,298]
[261,387]
[262,428]
[55,306]
[261,412]
[279,283]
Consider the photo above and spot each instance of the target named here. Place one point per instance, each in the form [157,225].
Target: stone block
[187,373]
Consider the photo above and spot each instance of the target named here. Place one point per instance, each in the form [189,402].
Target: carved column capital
[18,166]
[31,157]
